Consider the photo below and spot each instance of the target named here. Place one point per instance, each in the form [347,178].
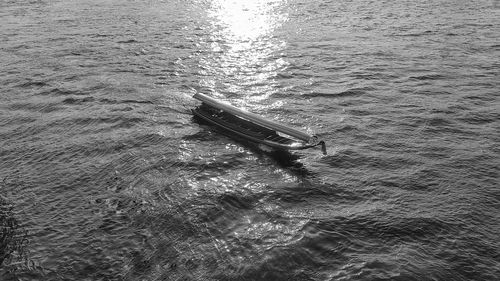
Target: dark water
[108,178]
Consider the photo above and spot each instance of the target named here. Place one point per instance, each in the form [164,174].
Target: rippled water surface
[108,177]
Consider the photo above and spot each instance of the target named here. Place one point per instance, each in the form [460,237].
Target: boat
[252,127]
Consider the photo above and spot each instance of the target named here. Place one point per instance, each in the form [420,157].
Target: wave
[348,93]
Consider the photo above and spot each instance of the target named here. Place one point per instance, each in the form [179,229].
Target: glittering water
[105,170]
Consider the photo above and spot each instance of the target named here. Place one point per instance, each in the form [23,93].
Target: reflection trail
[243,52]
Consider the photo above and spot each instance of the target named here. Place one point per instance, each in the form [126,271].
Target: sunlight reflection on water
[245,49]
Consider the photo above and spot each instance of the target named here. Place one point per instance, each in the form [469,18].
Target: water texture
[106,176]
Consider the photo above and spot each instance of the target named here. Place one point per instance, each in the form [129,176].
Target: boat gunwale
[254,118]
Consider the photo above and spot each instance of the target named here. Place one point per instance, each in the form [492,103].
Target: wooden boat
[252,127]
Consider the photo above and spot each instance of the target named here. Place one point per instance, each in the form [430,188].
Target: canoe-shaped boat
[252,127]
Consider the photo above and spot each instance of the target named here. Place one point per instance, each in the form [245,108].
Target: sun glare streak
[245,20]
[244,49]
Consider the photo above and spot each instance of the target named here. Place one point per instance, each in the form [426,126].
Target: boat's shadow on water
[287,160]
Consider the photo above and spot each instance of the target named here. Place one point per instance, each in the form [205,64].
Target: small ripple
[347,128]
[77,100]
[417,34]
[428,77]
[113,101]
[348,93]
[129,41]
[61,92]
[33,84]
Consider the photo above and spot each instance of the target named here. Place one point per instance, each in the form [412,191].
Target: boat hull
[253,128]
[248,130]
[256,119]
